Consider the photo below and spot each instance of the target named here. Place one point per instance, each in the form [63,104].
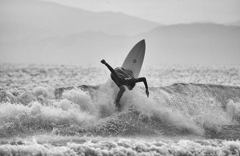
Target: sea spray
[82,99]
[155,110]
[233,109]
[17,118]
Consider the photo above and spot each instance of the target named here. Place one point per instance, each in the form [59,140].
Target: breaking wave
[178,109]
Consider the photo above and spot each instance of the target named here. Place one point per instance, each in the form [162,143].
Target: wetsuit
[124,77]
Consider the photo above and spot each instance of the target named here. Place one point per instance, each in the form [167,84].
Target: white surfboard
[135,57]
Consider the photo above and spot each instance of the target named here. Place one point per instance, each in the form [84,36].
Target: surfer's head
[130,83]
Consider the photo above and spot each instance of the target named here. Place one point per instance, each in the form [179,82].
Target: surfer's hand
[147,92]
[103,61]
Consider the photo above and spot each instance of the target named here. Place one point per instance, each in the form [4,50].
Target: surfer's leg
[119,95]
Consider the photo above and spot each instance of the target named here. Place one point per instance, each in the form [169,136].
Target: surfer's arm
[109,67]
[143,79]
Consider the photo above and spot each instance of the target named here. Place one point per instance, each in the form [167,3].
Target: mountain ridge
[62,20]
[192,43]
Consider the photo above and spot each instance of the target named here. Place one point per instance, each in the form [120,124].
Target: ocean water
[69,110]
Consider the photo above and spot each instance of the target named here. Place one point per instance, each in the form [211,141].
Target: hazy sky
[166,11]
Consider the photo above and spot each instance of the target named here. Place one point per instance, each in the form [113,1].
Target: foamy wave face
[92,111]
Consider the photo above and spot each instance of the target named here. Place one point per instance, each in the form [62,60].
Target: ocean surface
[69,110]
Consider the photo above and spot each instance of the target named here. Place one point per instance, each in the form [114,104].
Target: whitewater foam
[105,146]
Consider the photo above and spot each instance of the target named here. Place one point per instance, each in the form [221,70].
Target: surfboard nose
[142,42]
[135,57]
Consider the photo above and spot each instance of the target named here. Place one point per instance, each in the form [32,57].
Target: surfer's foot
[118,106]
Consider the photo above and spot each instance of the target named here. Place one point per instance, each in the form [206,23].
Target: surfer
[124,77]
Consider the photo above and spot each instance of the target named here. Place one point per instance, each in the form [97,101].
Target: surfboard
[135,57]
